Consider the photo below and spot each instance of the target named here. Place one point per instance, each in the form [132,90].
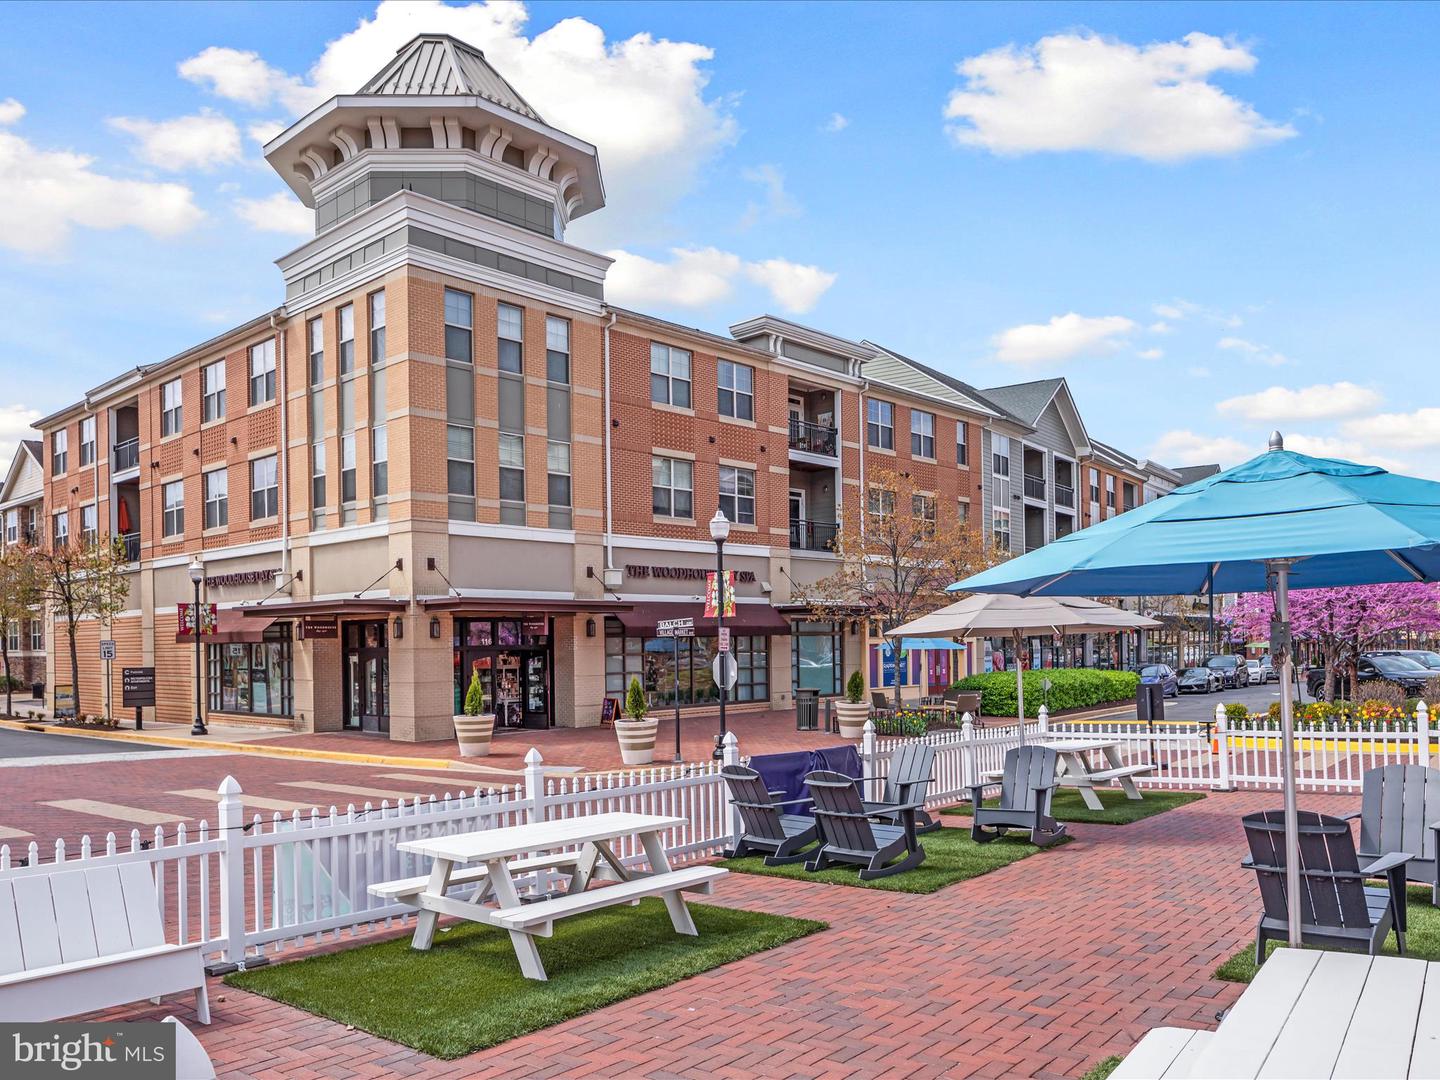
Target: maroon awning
[289,609]
[640,620]
[231,625]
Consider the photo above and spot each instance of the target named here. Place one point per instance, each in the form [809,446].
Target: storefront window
[818,657]
[252,677]
[652,661]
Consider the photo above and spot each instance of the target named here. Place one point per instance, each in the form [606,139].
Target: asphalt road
[1198,707]
[35,744]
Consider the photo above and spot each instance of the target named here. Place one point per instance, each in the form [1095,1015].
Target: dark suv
[1370,667]
[1424,657]
[1233,670]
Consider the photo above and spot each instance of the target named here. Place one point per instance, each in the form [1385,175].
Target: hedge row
[1070,688]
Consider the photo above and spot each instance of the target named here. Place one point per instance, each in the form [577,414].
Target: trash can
[807,710]
[1149,702]
[37,691]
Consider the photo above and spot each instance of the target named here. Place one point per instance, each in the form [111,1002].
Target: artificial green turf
[950,856]
[1067,805]
[1101,1069]
[466,993]
[1422,939]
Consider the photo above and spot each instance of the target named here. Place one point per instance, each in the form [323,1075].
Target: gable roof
[34,449]
[441,65]
[1029,400]
[1190,473]
[961,391]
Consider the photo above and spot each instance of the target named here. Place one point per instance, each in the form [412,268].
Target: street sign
[107,650]
[675,628]
[725,670]
[137,687]
[724,639]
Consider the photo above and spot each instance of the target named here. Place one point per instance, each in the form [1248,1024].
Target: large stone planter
[637,740]
[851,717]
[473,734]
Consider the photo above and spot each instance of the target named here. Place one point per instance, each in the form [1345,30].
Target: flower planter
[852,716]
[473,734]
[637,740]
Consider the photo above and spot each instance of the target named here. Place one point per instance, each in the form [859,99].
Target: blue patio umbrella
[1280,520]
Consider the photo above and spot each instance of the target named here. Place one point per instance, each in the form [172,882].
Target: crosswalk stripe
[350,789]
[438,784]
[133,814]
[7,833]
[256,802]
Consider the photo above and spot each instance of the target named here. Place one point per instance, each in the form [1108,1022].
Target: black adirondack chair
[764,826]
[1337,910]
[1400,811]
[912,768]
[1025,792]
[848,835]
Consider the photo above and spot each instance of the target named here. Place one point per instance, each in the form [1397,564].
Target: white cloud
[50,192]
[1159,328]
[778,201]
[1168,311]
[1418,430]
[1180,310]
[837,123]
[1260,353]
[795,287]
[262,131]
[1080,91]
[1198,372]
[1347,449]
[202,141]
[246,78]
[693,278]
[1150,354]
[1185,447]
[1280,404]
[278,213]
[16,423]
[1062,338]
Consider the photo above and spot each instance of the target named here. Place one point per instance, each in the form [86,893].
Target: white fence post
[969,775]
[730,755]
[1044,720]
[1222,744]
[231,834]
[1422,732]
[869,758]
[534,786]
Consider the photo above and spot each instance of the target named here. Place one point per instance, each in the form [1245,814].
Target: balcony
[1064,496]
[127,455]
[811,438]
[1127,506]
[131,543]
[1034,487]
[812,535]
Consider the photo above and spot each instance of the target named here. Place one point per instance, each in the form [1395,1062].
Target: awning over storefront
[640,620]
[289,609]
[490,605]
[232,625]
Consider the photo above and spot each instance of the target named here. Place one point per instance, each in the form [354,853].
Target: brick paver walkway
[1039,969]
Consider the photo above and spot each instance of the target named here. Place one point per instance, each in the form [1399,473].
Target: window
[652,661]
[377,327]
[737,494]
[1094,485]
[315,341]
[59,452]
[510,348]
[262,373]
[818,656]
[922,508]
[460,460]
[379,463]
[174,504]
[12,636]
[212,392]
[962,513]
[459,318]
[669,375]
[737,390]
[512,468]
[89,532]
[557,473]
[171,417]
[880,503]
[347,468]
[264,491]
[345,334]
[61,528]
[1110,492]
[922,434]
[317,476]
[672,488]
[12,526]
[880,424]
[217,499]
[252,677]
[1000,527]
[37,635]
[557,349]
[962,448]
[1000,456]
[87,441]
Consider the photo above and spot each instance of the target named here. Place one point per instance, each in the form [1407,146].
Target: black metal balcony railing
[127,454]
[131,542]
[812,438]
[812,535]
[1128,505]
[1034,487]
[1064,496]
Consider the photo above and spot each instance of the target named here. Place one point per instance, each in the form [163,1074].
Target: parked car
[1232,669]
[1371,666]
[1163,674]
[1200,680]
[1256,675]
[1268,671]
[1424,657]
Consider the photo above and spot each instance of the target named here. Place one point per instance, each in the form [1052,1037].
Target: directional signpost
[676,628]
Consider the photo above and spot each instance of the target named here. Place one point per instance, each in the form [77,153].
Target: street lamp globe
[197,571]
[719,527]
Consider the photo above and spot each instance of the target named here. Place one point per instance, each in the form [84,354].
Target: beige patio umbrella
[995,614]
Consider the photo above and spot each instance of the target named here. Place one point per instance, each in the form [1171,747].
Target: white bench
[538,918]
[1122,771]
[73,941]
[1163,1053]
[407,887]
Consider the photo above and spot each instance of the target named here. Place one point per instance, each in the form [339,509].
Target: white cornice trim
[511,532]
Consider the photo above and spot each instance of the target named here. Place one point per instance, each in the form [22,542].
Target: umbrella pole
[1281,569]
[1020,685]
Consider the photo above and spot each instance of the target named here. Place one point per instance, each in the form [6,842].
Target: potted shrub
[853,712]
[635,731]
[474,726]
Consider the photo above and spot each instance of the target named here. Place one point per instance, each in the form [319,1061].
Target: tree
[81,580]
[20,593]
[1343,622]
[898,553]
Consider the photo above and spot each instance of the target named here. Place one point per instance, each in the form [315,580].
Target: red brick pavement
[1038,969]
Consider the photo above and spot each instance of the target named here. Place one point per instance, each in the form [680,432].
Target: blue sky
[1212,219]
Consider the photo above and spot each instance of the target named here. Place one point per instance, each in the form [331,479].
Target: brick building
[22,502]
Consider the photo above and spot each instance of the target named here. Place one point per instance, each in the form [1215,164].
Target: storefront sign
[65,700]
[609,709]
[313,629]
[209,619]
[242,577]
[712,595]
[686,573]
[535,627]
[137,687]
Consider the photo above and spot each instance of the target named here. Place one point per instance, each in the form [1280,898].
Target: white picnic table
[494,858]
[1311,1013]
[1074,769]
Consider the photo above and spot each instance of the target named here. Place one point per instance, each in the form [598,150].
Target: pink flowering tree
[1343,622]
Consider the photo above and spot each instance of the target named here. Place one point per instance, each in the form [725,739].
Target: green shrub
[1070,688]
[1235,711]
[635,704]
[855,688]
[474,696]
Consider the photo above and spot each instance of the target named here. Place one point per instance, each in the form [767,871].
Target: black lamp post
[197,575]
[720,532]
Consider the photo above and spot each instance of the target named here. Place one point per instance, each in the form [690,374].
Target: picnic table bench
[1075,772]
[574,846]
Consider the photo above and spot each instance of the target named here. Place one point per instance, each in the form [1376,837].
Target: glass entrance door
[512,659]
[367,677]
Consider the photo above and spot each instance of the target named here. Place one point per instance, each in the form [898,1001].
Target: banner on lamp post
[712,595]
[209,617]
